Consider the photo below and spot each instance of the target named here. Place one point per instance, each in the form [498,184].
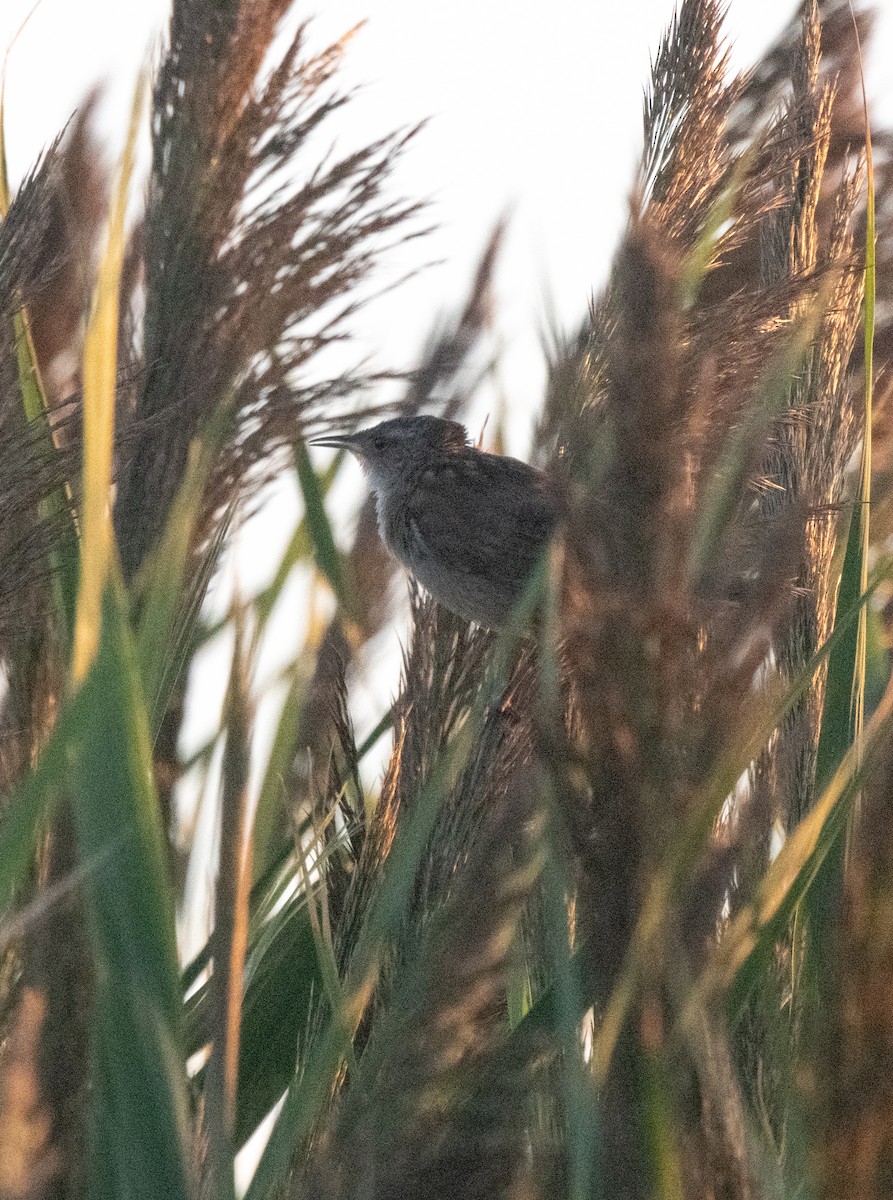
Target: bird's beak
[338,441]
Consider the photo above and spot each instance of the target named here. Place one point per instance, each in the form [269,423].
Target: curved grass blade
[163,625]
[267,817]
[100,384]
[736,966]
[299,548]
[275,1015]
[704,253]
[141,1106]
[328,559]
[230,933]
[281,979]
[580,1110]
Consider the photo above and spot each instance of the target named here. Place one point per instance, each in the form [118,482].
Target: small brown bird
[468,526]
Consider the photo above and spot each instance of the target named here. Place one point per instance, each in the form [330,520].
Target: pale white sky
[533,106]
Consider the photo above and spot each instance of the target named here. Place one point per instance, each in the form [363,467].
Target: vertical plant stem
[230,931]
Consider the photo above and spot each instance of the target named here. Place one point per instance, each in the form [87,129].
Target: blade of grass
[327,557]
[301,1105]
[841,730]
[267,897]
[100,384]
[267,817]
[281,981]
[370,740]
[275,1017]
[323,944]
[141,1105]
[580,1112]
[704,252]
[230,931]
[732,967]
[300,546]
[160,583]
[661,1129]
[579,1109]
[858,702]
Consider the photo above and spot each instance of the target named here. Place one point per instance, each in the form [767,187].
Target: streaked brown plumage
[469,526]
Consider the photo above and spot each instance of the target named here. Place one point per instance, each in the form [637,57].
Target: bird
[467,525]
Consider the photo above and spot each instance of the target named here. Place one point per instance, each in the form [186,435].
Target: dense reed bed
[616,920]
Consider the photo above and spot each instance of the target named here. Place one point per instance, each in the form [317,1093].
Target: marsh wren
[469,526]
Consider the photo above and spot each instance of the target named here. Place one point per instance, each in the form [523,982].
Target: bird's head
[387,451]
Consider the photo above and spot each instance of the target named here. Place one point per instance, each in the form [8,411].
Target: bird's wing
[495,517]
